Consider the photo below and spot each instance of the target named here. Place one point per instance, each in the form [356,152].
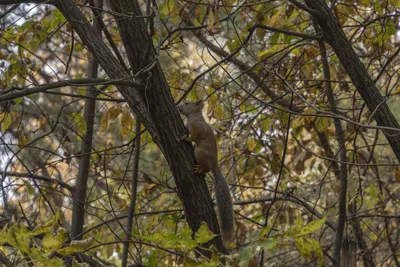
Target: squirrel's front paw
[198,169]
[184,138]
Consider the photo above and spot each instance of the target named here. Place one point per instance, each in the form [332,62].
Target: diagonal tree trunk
[334,35]
[160,117]
[194,194]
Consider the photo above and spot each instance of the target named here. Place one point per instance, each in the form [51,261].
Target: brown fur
[207,159]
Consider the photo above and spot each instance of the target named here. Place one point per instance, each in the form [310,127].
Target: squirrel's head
[191,107]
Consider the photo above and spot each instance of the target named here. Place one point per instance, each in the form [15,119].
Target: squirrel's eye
[186,103]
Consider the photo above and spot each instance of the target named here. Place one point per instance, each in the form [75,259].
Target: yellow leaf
[80,123]
[204,234]
[217,27]
[114,112]
[279,18]
[310,249]
[218,112]
[5,120]
[309,110]
[76,246]
[22,140]
[228,5]
[312,226]
[42,123]
[251,144]
[104,122]
[126,124]
[210,20]
[51,242]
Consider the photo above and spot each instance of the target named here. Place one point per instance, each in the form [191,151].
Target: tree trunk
[161,118]
[334,35]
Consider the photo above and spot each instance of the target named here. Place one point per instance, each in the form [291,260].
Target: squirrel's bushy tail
[225,207]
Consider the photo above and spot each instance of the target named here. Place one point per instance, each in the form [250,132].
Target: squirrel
[206,155]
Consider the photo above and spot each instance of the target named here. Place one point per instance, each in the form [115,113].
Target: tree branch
[41,178]
[302,35]
[108,62]
[13,93]
[14,2]
[132,206]
[342,155]
[79,198]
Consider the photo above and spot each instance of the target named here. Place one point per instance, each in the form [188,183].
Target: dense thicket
[301,96]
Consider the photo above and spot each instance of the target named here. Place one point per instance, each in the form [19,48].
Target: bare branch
[19,92]
[41,178]
[14,2]
[342,155]
[302,35]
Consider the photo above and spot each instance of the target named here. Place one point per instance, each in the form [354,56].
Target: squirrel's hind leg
[202,161]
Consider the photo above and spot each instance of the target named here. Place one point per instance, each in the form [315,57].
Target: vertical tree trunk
[79,196]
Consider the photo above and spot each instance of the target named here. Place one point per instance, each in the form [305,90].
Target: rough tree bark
[334,35]
[160,117]
[194,194]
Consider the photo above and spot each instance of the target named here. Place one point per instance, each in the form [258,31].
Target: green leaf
[312,227]
[266,124]
[76,246]
[18,236]
[152,261]
[265,231]
[3,235]
[310,249]
[80,123]
[18,100]
[204,234]
[40,259]
[47,226]
[29,187]
[52,243]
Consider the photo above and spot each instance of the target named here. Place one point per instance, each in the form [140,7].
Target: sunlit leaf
[126,124]
[310,249]
[204,234]
[5,119]
[79,122]
[76,246]
[312,227]
[251,144]
[52,242]
[104,122]
[211,19]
